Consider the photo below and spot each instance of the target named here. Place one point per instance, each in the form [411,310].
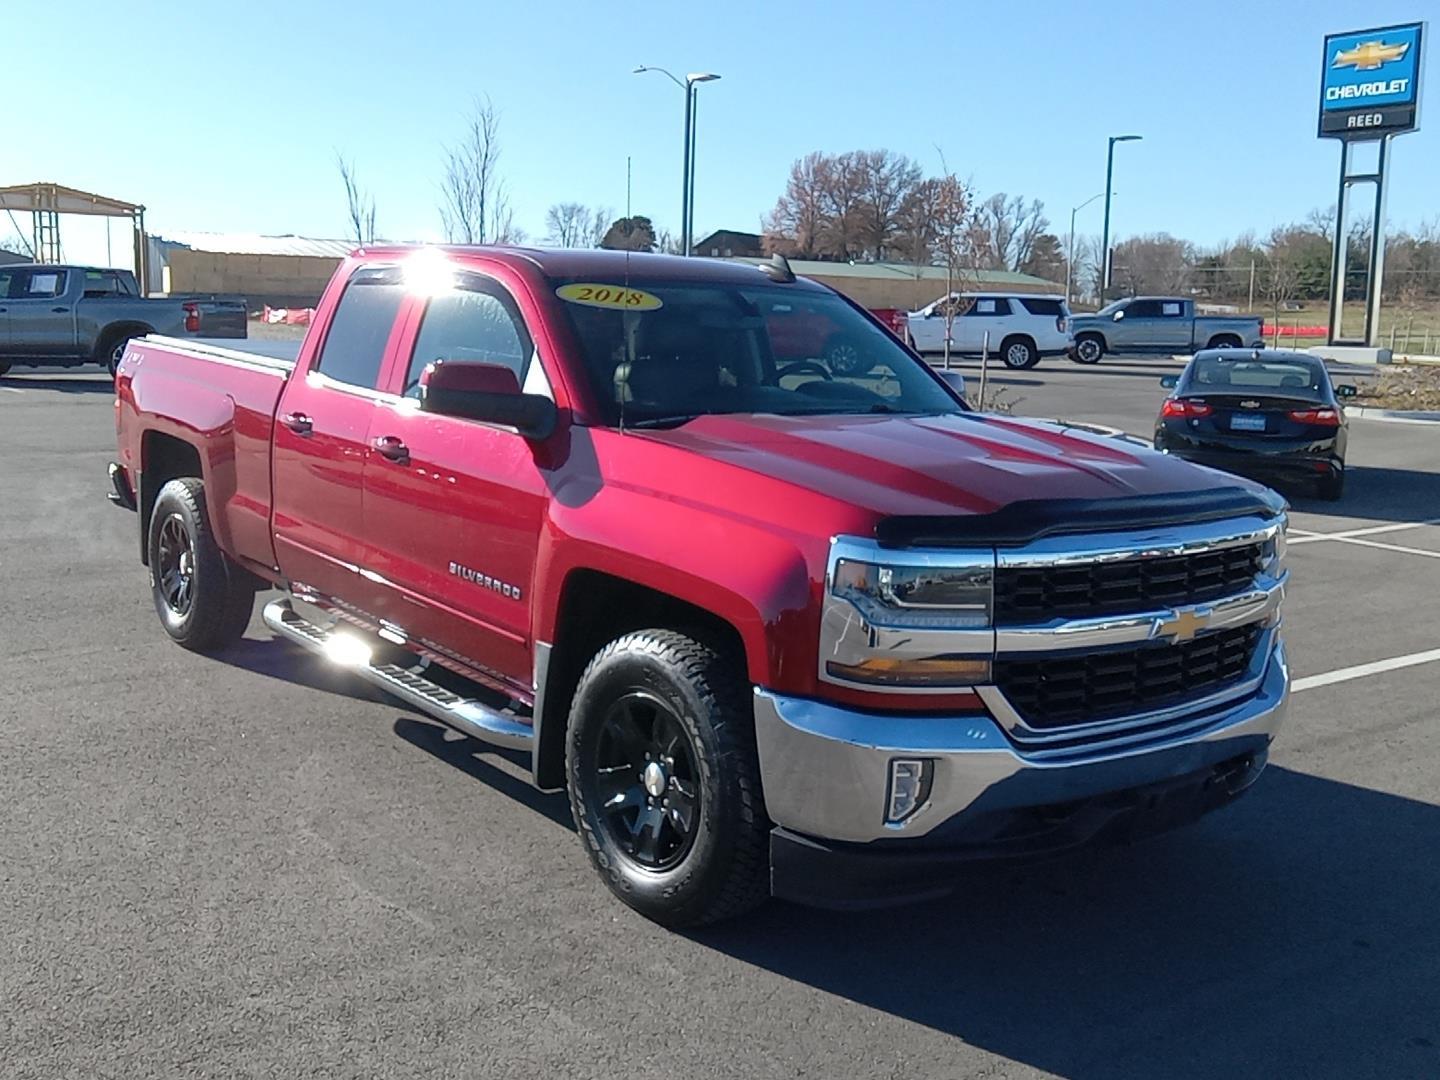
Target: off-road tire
[222,595]
[725,871]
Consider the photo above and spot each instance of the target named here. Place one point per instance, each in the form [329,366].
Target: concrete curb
[1394,416]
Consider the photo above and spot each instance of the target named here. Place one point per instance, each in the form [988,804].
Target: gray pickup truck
[1158,324]
[72,315]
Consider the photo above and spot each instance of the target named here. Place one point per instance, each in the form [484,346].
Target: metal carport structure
[45,202]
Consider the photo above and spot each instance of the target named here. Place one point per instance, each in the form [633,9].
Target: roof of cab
[605,264]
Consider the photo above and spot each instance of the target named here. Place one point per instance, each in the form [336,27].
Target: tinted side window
[1143,309]
[990,305]
[1043,306]
[474,321]
[355,343]
[37,284]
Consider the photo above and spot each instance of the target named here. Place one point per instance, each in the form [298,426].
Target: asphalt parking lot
[248,866]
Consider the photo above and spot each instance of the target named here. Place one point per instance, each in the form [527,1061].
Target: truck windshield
[665,352]
[1112,307]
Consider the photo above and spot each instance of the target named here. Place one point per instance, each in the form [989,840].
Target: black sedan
[1269,414]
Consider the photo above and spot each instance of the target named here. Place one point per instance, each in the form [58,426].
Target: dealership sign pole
[1369,92]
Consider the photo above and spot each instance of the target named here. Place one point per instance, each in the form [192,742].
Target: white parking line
[1390,547]
[1307,537]
[1361,670]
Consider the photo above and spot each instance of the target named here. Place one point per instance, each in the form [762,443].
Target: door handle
[298,422]
[392,449]
[59,310]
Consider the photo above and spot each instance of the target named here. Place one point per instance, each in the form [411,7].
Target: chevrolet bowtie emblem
[1183,625]
[1370,55]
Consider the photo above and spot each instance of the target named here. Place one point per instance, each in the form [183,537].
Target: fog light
[909,788]
[347,650]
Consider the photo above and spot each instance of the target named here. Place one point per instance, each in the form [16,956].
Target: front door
[322,441]
[454,508]
[40,313]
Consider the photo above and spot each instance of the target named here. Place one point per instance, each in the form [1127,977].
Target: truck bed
[226,391]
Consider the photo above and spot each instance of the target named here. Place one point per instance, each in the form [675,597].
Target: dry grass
[1403,386]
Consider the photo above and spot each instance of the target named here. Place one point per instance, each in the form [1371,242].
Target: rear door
[1174,328]
[41,312]
[987,315]
[322,441]
[454,508]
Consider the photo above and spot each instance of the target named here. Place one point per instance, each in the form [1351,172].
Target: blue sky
[227,117]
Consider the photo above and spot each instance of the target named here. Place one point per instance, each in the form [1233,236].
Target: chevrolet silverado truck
[1158,324]
[73,315]
[777,630]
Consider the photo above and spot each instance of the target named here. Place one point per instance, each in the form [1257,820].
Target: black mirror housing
[1346,390]
[489,393]
[1169,382]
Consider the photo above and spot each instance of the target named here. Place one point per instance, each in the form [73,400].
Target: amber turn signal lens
[932,671]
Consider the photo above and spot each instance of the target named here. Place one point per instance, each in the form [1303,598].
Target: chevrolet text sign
[1370,82]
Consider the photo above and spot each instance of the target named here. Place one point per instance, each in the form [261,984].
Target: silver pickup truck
[72,315]
[1158,324]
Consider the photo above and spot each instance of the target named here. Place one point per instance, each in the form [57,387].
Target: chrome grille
[1027,595]
[1058,691]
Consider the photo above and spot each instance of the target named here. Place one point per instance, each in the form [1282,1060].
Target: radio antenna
[627,333]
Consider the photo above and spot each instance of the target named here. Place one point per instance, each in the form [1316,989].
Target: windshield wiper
[663,421]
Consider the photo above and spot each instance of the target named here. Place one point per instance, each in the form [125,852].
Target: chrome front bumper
[825,769]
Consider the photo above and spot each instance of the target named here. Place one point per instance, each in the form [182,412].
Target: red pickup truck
[778,629]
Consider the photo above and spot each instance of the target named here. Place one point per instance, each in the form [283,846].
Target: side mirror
[1346,390]
[1169,382]
[489,393]
[954,380]
[1118,315]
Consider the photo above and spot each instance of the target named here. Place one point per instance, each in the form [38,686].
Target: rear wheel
[1332,487]
[1019,353]
[664,779]
[203,599]
[4,367]
[1224,341]
[1089,349]
[112,350]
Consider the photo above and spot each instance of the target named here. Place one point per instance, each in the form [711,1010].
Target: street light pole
[687,177]
[1070,259]
[1105,238]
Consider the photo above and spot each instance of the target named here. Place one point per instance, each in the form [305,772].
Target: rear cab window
[354,346]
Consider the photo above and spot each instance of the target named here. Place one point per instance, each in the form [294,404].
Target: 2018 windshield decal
[615,297]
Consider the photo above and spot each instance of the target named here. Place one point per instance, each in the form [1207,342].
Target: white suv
[1023,327]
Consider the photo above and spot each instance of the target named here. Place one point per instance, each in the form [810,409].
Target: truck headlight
[928,597]
[921,627]
[1272,554]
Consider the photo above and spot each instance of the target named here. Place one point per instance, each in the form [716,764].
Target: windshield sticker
[609,296]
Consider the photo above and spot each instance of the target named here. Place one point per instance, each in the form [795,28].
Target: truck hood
[937,465]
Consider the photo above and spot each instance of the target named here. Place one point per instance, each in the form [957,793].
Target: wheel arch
[163,457]
[110,332]
[596,607]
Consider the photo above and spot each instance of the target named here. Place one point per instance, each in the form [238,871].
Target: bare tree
[883,180]
[360,204]
[568,225]
[1155,263]
[1004,231]
[793,226]
[474,207]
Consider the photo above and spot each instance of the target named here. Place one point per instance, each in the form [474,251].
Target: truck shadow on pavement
[100,384]
[1292,934]
[1376,494]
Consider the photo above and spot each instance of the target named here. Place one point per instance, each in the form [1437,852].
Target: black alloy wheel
[646,784]
[175,565]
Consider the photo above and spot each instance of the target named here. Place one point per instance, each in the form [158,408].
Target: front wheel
[203,599]
[845,358]
[1332,487]
[4,367]
[664,779]
[1089,350]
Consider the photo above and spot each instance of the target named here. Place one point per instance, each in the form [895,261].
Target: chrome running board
[466,715]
